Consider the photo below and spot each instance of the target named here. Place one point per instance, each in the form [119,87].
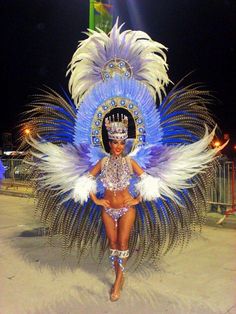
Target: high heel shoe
[114,296]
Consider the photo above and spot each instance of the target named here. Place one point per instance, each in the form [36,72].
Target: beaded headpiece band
[117,130]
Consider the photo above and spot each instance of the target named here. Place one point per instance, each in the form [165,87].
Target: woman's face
[117,147]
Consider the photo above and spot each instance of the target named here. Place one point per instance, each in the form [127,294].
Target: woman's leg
[111,233]
[125,224]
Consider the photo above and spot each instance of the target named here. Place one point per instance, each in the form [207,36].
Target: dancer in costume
[140,205]
[118,211]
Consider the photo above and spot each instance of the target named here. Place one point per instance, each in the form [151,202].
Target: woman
[172,145]
[172,185]
[118,212]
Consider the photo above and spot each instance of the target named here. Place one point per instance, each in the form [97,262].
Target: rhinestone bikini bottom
[116,213]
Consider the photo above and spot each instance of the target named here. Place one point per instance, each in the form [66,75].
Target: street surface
[34,277]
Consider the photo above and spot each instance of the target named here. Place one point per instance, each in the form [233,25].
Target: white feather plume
[146,58]
[83,186]
[148,187]
[62,169]
[181,164]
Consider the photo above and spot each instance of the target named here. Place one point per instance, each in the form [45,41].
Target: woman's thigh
[125,224]
[111,230]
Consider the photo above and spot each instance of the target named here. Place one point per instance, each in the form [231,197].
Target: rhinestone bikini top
[116,173]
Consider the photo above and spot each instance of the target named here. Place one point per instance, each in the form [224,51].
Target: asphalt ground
[35,278]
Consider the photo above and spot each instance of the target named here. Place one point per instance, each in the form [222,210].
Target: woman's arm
[96,169]
[136,168]
[99,201]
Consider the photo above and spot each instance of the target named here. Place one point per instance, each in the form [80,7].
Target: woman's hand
[102,202]
[99,201]
[132,201]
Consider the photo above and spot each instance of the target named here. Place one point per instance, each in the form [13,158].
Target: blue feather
[118,86]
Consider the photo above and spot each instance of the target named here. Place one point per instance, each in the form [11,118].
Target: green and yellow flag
[101,15]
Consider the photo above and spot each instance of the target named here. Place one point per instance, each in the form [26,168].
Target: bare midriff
[118,198]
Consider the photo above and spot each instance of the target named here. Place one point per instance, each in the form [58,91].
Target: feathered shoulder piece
[129,53]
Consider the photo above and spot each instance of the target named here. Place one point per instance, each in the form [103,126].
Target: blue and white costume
[124,71]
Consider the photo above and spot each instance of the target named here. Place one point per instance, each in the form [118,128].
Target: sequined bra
[116,173]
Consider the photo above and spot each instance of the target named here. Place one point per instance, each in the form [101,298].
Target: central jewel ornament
[116,66]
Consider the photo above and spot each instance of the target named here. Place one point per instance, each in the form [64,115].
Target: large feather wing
[55,161]
[175,166]
[50,116]
[184,115]
[61,166]
[176,200]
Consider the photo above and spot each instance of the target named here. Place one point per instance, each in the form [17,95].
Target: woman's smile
[117,150]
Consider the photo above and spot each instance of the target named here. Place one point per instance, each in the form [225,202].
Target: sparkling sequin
[116,213]
[116,173]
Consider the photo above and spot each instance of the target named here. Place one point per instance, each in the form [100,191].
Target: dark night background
[39,37]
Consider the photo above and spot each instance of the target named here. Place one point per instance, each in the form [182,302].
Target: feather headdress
[129,53]
[172,144]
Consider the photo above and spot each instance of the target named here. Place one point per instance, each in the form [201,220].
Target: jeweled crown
[117,130]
